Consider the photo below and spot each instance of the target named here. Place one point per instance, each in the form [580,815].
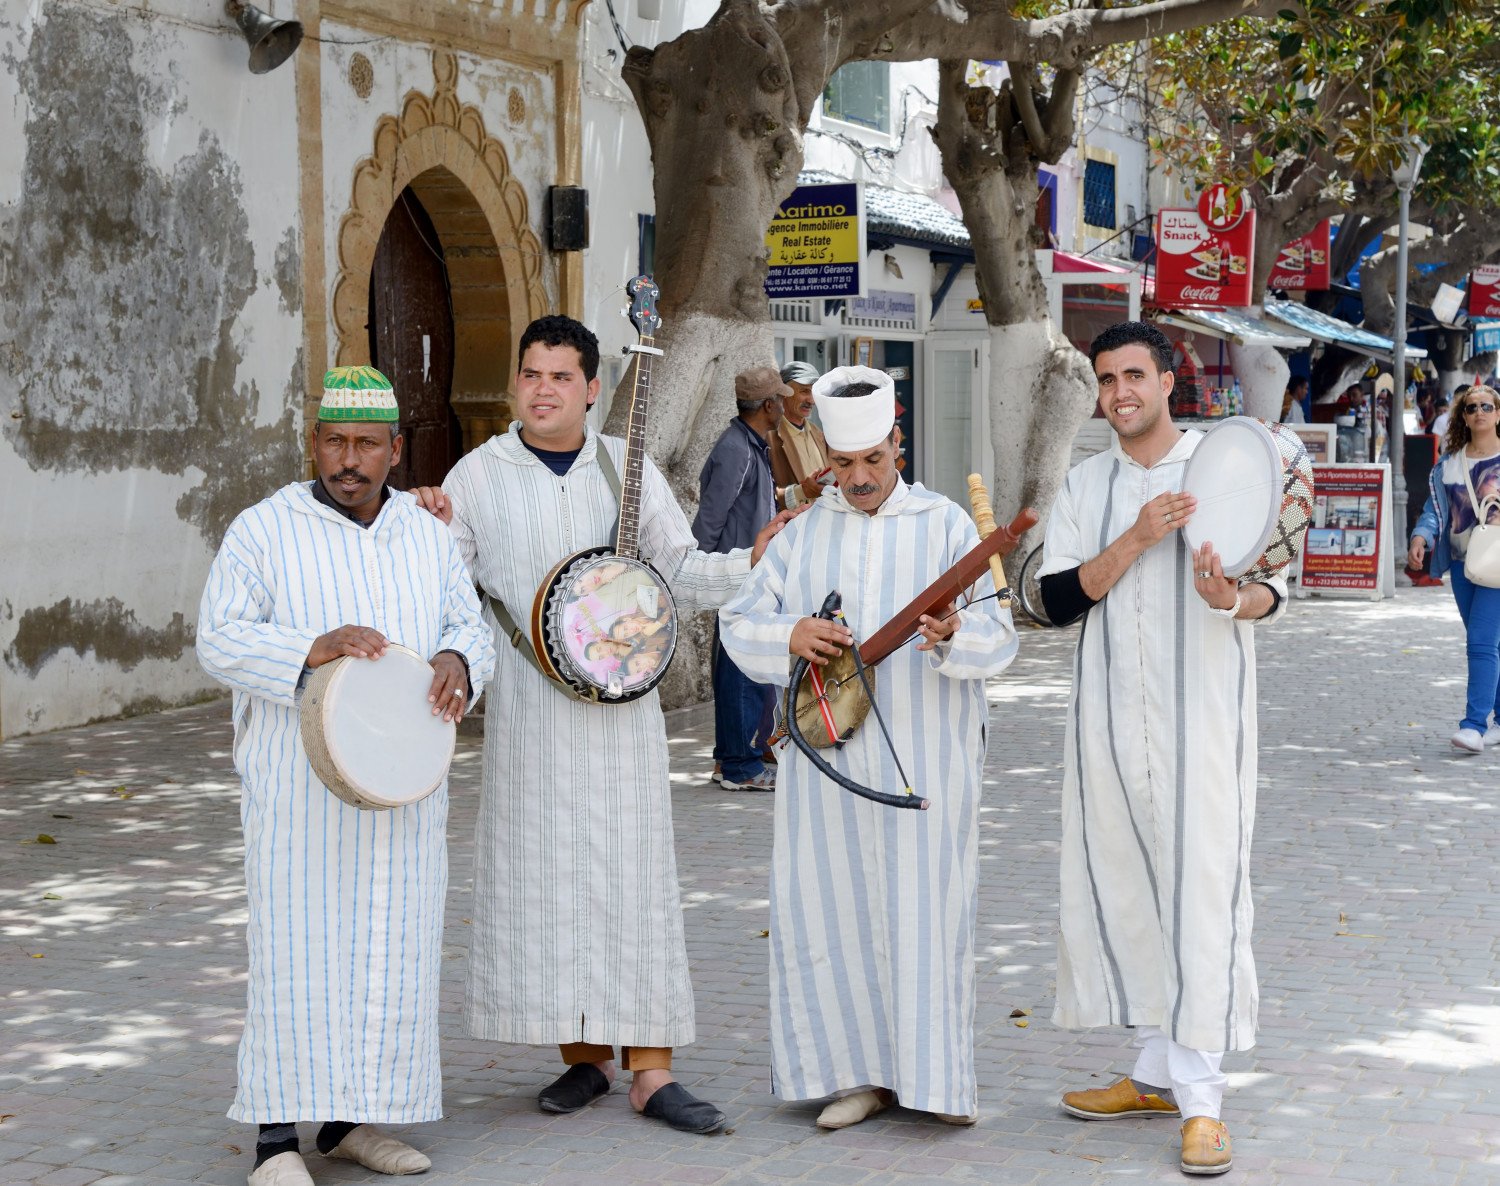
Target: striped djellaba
[1160,771]
[872,907]
[345,906]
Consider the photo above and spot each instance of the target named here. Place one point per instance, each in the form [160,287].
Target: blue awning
[1486,337]
[1330,329]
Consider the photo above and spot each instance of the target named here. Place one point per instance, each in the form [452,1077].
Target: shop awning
[1066,261]
[1330,329]
[1486,337]
[1231,326]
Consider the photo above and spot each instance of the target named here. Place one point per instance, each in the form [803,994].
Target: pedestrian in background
[799,454]
[1470,466]
[736,498]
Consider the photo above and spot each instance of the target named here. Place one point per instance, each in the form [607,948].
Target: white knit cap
[862,422]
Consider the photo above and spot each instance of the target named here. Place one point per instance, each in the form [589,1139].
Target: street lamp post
[1405,177]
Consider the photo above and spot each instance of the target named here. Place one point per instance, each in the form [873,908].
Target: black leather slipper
[577,1087]
[675,1105]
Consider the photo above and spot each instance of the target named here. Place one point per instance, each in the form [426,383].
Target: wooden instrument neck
[628,536]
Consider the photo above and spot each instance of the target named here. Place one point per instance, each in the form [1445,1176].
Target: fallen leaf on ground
[52,897]
[1020,1012]
[1022,1024]
[43,838]
[4,1116]
[60,815]
[122,793]
[764,935]
[37,955]
[235,1149]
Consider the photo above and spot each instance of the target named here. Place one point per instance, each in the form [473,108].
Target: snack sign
[1204,262]
[1302,265]
[1484,291]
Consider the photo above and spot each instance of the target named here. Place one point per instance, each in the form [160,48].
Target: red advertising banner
[1344,545]
[1484,291]
[1198,266]
[1302,265]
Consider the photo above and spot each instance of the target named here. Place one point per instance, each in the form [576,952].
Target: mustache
[350,475]
[869,488]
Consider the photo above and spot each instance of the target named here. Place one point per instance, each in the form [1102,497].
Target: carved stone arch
[462,175]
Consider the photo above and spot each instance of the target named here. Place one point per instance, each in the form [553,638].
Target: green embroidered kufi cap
[358,393]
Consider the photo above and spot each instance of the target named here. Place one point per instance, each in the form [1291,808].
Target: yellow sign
[816,243]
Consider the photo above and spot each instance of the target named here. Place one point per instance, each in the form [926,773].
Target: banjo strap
[508,624]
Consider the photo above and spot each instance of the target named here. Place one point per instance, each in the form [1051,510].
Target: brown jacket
[784,466]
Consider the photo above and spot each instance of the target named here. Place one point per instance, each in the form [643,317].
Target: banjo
[603,622]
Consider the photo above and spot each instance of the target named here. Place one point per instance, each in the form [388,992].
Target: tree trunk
[1263,375]
[1041,389]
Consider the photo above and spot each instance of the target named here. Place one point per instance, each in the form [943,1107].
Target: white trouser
[1193,1076]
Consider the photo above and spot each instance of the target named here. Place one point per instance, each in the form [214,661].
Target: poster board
[1321,440]
[1347,551]
[816,243]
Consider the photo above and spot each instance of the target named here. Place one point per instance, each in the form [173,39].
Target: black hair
[1134,333]
[557,330]
[854,390]
[1298,380]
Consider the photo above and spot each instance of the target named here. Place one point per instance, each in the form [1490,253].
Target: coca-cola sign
[1302,265]
[1484,291]
[1198,266]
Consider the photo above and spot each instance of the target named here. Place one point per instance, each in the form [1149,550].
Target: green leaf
[1289,46]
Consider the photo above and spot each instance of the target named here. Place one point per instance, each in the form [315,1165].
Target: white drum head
[1236,475]
[381,738]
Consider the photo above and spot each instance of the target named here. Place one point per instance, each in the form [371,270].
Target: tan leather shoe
[285,1169]
[1115,1102]
[381,1152]
[851,1109]
[1205,1146]
[958,1121]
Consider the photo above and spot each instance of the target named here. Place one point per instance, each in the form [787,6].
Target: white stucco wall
[143,387]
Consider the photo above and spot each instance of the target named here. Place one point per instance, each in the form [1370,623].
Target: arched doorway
[411,340]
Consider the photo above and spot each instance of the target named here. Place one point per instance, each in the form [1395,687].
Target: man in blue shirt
[736,498]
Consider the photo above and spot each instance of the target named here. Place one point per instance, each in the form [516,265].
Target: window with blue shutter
[1099,194]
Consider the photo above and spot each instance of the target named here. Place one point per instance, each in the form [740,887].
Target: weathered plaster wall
[150,330]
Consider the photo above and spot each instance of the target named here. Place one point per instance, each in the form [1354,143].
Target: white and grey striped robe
[873,907]
[1159,788]
[345,906]
[577,931]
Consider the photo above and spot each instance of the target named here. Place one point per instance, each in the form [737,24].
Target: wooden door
[411,341]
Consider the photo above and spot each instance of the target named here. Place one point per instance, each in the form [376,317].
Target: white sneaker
[851,1109]
[285,1169]
[1471,741]
[1492,735]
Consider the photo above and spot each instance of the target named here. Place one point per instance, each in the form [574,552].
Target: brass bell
[271,41]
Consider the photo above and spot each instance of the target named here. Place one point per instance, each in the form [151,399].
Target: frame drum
[370,733]
[1253,483]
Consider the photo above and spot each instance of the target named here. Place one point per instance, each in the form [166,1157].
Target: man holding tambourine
[1160,761]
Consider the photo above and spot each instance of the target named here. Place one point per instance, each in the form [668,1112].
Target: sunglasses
[1470,409]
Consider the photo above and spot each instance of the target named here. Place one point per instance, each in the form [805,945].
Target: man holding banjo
[873,909]
[1160,758]
[577,934]
[345,905]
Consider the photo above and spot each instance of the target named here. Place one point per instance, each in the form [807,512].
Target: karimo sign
[814,244]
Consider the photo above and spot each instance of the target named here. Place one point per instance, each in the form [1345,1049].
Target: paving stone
[1376,871]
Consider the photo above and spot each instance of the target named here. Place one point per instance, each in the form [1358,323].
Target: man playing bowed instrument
[872,909]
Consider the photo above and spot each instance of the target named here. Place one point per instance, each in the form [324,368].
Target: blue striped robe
[345,906]
[577,932]
[1159,783]
[873,907]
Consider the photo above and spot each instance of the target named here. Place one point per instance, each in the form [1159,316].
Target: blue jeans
[739,708]
[1479,607]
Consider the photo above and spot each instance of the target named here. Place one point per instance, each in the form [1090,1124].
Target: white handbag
[1482,557]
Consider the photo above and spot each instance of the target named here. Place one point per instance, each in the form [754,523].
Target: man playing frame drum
[872,909]
[1160,762]
[577,936]
[345,906]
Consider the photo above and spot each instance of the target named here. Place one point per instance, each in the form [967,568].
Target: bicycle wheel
[1028,592]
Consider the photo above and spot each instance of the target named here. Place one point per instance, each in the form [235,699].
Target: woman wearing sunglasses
[1471,444]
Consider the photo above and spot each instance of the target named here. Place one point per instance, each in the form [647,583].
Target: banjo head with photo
[370,733]
[609,625]
[1254,484]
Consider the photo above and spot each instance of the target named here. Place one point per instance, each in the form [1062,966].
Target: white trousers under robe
[1193,1076]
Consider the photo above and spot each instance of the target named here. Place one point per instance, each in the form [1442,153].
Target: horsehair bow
[830,610]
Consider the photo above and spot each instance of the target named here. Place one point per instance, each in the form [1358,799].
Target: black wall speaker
[567,217]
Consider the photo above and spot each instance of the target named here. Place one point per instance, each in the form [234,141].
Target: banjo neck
[628,537]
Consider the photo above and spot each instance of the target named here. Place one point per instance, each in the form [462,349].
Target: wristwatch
[1228,611]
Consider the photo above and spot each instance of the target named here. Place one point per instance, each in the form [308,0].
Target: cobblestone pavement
[1376,862]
